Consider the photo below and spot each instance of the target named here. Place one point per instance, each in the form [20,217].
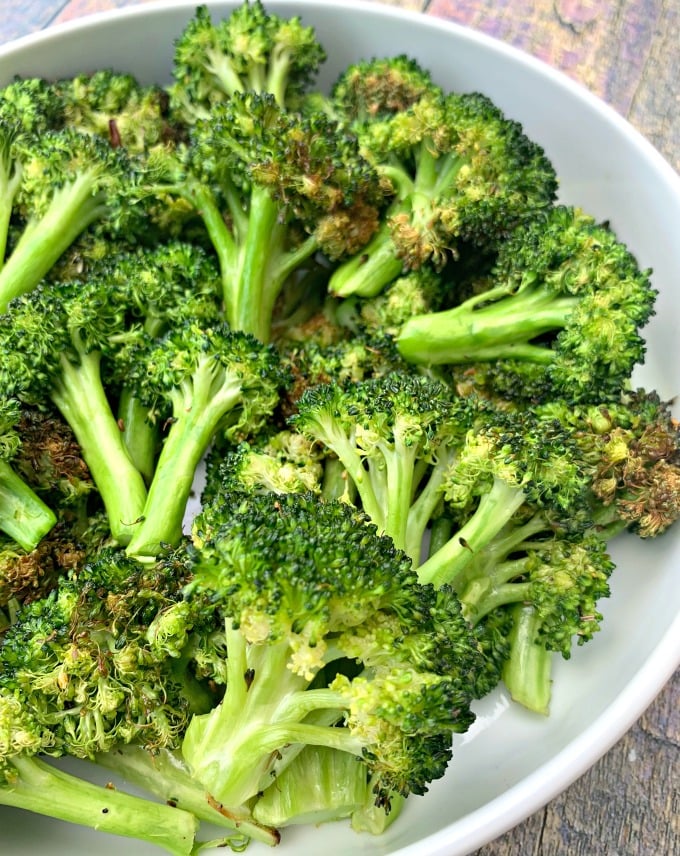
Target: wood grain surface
[628,53]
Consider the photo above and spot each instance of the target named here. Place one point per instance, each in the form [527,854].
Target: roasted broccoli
[331,642]
[563,311]
[273,188]
[461,173]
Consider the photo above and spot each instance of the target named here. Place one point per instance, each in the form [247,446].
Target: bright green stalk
[140,436]
[233,749]
[81,399]
[10,179]
[164,774]
[45,790]
[527,671]
[253,261]
[367,273]
[197,412]
[73,208]
[475,330]
[320,785]
[495,509]
[23,515]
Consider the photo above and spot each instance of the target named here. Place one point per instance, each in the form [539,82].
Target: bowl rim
[519,801]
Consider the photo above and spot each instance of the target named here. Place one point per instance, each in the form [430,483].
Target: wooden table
[627,52]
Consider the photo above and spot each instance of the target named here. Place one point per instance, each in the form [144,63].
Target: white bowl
[511,762]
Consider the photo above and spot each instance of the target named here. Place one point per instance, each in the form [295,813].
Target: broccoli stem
[164,774]
[139,435]
[46,790]
[23,515]
[252,259]
[370,271]
[72,209]
[495,509]
[399,469]
[422,512]
[250,298]
[81,399]
[197,413]
[527,671]
[320,785]
[473,331]
[10,179]
[493,589]
[233,750]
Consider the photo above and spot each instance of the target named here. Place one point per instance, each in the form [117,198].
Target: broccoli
[322,785]
[56,182]
[566,299]
[273,189]
[24,516]
[156,287]
[55,338]
[202,381]
[81,664]
[117,108]
[30,783]
[462,174]
[86,677]
[281,462]
[418,292]
[393,435]
[331,642]
[630,448]
[249,50]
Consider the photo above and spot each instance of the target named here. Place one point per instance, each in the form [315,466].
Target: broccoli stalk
[211,379]
[273,189]
[164,774]
[462,174]
[566,300]
[302,585]
[321,785]
[32,784]
[23,515]
[59,183]
[527,671]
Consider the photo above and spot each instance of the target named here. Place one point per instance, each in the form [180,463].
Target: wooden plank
[78,8]
[623,51]
[20,17]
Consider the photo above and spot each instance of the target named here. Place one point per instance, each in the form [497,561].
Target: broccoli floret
[55,184]
[281,462]
[566,298]
[392,434]
[156,288]
[462,173]
[202,381]
[273,189]
[24,516]
[302,584]
[116,107]
[378,89]
[80,661]
[630,447]
[28,782]
[249,50]
[55,338]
